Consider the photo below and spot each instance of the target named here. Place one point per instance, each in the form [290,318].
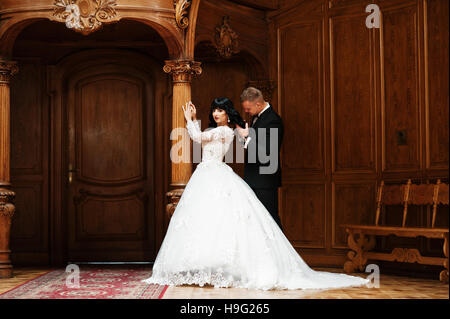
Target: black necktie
[255,118]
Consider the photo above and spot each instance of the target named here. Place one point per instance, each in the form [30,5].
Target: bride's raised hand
[187,111]
[193,110]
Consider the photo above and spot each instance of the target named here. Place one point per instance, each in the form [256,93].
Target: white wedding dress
[221,234]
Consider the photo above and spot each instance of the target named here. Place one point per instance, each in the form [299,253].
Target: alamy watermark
[265,151]
[373,19]
[374,275]
[73,278]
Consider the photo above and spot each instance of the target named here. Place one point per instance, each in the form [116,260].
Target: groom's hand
[243,132]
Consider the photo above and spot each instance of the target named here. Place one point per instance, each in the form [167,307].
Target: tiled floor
[391,287]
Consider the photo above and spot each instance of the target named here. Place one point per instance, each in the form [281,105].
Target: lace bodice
[215,142]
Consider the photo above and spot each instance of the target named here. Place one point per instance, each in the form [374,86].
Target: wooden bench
[361,238]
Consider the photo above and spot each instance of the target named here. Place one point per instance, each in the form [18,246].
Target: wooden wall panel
[303,214]
[436,36]
[301,96]
[373,85]
[400,91]
[352,102]
[28,226]
[29,163]
[352,202]
[26,130]
[437,87]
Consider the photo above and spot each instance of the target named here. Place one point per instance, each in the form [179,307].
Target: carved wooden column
[7,69]
[182,72]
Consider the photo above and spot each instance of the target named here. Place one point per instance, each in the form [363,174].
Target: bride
[221,234]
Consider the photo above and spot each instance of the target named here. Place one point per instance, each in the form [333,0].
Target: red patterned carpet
[101,282]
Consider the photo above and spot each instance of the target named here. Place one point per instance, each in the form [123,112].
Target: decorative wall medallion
[227,42]
[181,12]
[85,16]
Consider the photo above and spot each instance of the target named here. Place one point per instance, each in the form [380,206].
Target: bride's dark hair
[225,104]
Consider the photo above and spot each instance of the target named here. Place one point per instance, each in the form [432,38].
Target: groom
[262,171]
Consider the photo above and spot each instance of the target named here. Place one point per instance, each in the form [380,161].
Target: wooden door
[110,204]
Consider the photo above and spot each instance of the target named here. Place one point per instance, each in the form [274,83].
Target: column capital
[7,69]
[182,70]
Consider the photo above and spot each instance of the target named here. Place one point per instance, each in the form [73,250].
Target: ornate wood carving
[182,70]
[7,208]
[227,42]
[182,12]
[410,255]
[421,195]
[173,198]
[359,247]
[6,212]
[360,254]
[7,69]
[85,16]
[443,276]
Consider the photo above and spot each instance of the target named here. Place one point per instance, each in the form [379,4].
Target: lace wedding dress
[221,234]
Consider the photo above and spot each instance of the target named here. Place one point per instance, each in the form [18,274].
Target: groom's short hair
[252,94]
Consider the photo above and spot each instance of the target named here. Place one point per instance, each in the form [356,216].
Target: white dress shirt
[267,106]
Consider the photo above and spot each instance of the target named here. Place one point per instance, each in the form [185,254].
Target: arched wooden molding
[190,34]
[162,19]
[182,13]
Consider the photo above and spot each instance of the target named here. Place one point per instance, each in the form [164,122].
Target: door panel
[110,165]
[109,120]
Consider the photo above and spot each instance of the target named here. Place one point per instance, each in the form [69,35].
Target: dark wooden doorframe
[57,89]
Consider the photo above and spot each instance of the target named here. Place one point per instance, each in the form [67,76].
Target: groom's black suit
[265,185]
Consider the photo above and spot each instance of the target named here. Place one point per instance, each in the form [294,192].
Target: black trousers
[269,198]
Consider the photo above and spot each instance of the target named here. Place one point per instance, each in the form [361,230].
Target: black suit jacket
[252,174]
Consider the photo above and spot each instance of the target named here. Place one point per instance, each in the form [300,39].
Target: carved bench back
[389,195]
[412,194]
[442,198]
